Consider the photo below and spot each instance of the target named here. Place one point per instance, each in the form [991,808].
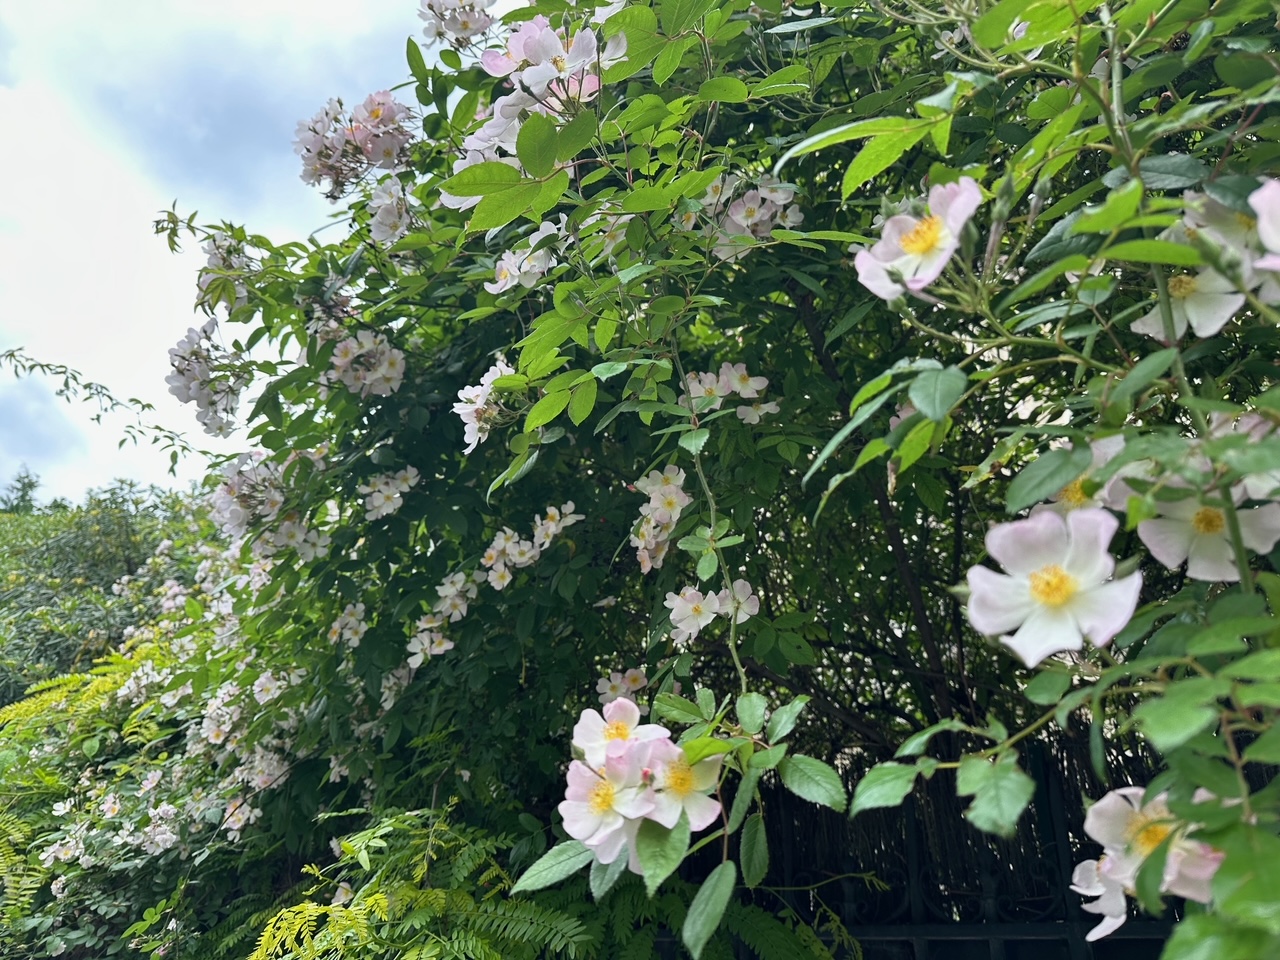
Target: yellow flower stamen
[1208,520]
[617,730]
[1053,586]
[1182,286]
[1148,833]
[679,778]
[924,236]
[1072,495]
[601,797]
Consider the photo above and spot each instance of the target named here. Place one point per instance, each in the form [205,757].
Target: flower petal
[1260,527]
[1102,612]
[1087,559]
[1109,819]
[997,603]
[1168,540]
[1047,631]
[1211,558]
[1025,546]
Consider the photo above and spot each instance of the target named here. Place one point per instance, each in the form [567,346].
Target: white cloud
[139,103]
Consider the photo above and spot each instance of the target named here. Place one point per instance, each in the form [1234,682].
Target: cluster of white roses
[477,408]
[250,488]
[384,494]
[1058,588]
[199,377]
[1250,246]
[706,391]
[627,772]
[658,517]
[349,626]
[341,149]
[389,210]
[691,609]
[623,685]
[225,257]
[734,224]
[308,542]
[455,21]
[529,263]
[1130,831]
[366,364]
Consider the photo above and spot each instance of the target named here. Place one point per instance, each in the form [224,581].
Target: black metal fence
[942,890]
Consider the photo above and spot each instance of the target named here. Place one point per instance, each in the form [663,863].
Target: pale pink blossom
[600,737]
[752,414]
[690,612]
[734,378]
[1196,533]
[597,805]
[1203,301]
[682,787]
[1057,590]
[913,251]
[741,603]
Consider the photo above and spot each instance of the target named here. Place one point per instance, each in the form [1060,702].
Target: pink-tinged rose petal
[928,267]
[1211,558]
[1168,540]
[1103,611]
[1110,924]
[873,275]
[955,202]
[1091,531]
[1046,631]
[1109,819]
[703,811]
[580,821]
[607,845]
[1209,312]
[1193,866]
[997,603]
[1266,204]
[1260,527]
[1270,262]
[1024,546]
[622,710]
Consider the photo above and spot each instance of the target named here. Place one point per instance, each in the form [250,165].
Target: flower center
[601,798]
[679,778]
[1182,286]
[616,729]
[1149,834]
[1073,494]
[1246,221]
[924,236]
[1208,520]
[1053,586]
[559,63]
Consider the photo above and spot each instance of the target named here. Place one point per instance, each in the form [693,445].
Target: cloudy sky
[117,108]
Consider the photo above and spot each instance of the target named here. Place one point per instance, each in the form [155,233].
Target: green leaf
[576,134]
[858,130]
[546,410]
[1119,207]
[767,759]
[743,798]
[914,445]
[708,564]
[1245,885]
[562,860]
[754,851]
[1203,936]
[1000,791]
[645,198]
[935,392]
[700,748]
[1266,749]
[582,401]
[812,780]
[917,743]
[604,875]
[884,785]
[669,59]
[481,179]
[1186,708]
[707,908]
[1154,251]
[1143,373]
[499,209]
[677,15]
[783,720]
[750,709]
[880,154]
[669,706]
[1047,687]
[723,89]
[536,145]
[695,440]
[661,850]
[417,65]
[1046,475]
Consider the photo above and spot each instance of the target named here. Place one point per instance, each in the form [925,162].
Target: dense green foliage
[512,346]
